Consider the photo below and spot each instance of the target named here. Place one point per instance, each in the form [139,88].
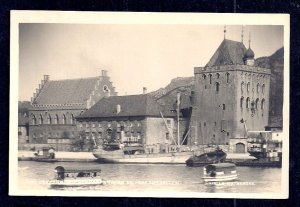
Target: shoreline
[88,156]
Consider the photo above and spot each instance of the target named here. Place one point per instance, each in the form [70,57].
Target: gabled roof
[228,53]
[133,105]
[66,91]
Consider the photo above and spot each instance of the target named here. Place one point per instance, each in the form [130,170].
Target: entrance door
[240,148]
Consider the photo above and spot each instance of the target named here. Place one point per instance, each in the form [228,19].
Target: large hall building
[57,103]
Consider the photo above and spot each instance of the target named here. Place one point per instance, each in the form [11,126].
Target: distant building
[231,96]
[135,119]
[57,103]
[23,122]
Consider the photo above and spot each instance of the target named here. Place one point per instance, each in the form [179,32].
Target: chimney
[46,78]
[104,73]
[144,90]
[118,108]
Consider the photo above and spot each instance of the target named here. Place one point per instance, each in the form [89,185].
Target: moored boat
[135,154]
[215,156]
[46,155]
[71,177]
[220,172]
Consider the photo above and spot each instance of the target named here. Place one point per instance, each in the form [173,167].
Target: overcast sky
[134,55]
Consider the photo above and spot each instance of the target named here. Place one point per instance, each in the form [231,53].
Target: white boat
[68,177]
[138,155]
[220,172]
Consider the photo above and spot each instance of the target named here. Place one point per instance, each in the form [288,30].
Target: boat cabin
[47,152]
[214,170]
[62,173]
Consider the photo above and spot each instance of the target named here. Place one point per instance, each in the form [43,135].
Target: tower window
[217,87]
[263,88]
[248,86]
[223,106]
[263,103]
[227,77]
[242,86]
[56,119]
[209,78]
[218,75]
[258,88]
[204,124]
[204,76]
[242,102]
[248,103]
[256,103]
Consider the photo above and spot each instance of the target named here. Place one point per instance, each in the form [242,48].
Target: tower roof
[228,53]
[249,54]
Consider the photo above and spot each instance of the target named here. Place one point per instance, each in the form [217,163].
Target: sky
[135,56]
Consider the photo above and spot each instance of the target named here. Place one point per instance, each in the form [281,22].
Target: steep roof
[133,105]
[228,53]
[66,91]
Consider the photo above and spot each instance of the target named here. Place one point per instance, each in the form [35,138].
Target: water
[153,178]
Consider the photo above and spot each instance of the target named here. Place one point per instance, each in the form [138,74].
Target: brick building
[231,96]
[57,103]
[135,119]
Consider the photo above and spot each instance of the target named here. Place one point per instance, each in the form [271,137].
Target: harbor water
[152,178]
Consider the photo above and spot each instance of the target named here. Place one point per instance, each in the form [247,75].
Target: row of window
[223,125]
[258,76]
[52,120]
[52,135]
[259,88]
[109,124]
[217,77]
[254,104]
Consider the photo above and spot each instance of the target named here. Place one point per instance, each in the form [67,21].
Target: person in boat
[51,153]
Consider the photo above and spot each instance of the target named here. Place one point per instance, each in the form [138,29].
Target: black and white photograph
[131,104]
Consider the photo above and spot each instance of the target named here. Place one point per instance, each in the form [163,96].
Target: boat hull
[75,182]
[154,158]
[224,178]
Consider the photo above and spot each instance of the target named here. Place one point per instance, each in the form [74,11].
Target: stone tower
[231,97]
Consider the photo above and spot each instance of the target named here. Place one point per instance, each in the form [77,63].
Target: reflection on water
[166,178]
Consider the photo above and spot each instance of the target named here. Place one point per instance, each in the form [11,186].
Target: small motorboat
[46,155]
[212,157]
[220,172]
[70,177]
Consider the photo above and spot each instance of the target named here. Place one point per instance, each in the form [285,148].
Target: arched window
[56,121]
[256,103]
[204,76]
[242,87]
[41,119]
[33,119]
[248,103]
[227,77]
[217,87]
[248,86]
[263,103]
[73,121]
[242,102]
[209,78]
[49,119]
[263,88]
[64,119]
[218,75]
[258,88]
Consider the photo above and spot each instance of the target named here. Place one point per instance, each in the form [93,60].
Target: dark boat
[212,157]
